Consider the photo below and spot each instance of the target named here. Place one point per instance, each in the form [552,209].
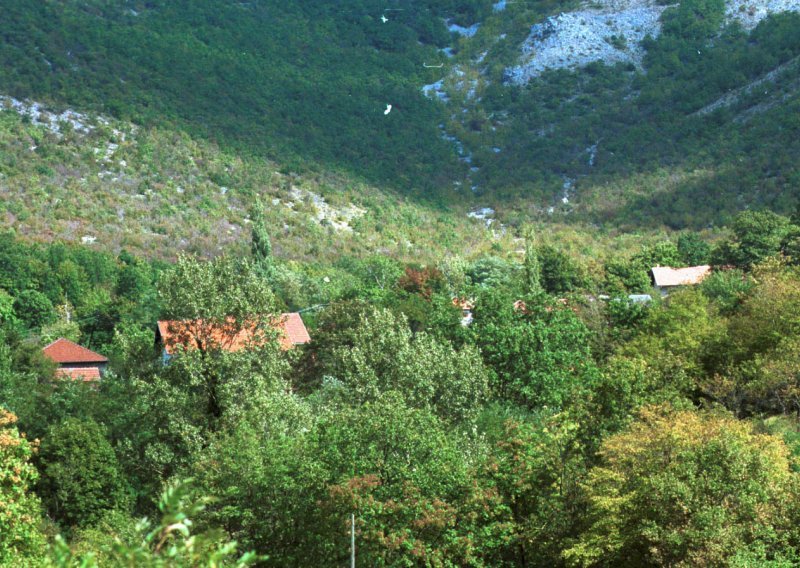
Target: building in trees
[75,362]
[232,336]
[666,279]
[466,306]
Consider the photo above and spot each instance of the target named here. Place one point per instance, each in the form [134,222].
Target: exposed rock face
[461,30]
[750,12]
[53,121]
[611,31]
[436,90]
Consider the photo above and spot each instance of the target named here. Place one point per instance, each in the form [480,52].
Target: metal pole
[352,540]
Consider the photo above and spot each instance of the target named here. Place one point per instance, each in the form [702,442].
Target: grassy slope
[162,191]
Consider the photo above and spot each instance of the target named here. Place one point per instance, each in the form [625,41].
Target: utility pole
[352,540]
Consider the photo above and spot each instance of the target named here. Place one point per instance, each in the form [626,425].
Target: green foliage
[560,273]
[627,276]
[266,480]
[727,288]
[677,338]
[535,466]
[214,291]
[641,147]
[694,21]
[170,542]
[491,272]
[757,235]
[687,489]
[21,539]
[34,309]
[532,267]
[402,475]
[526,438]
[81,478]
[256,93]
[260,245]
[379,355]
[538,355]
[693,250]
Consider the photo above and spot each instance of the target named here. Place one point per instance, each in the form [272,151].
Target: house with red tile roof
[75,362]
[229,336]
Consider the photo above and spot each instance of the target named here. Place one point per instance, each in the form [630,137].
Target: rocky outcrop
[611,31]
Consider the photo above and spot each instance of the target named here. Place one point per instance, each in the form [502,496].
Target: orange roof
[230,336]
[86,374]
[666,276]
[295,329]
[64,351]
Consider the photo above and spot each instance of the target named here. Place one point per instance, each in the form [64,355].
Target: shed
[666,278]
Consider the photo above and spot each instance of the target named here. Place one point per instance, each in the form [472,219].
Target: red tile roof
[86,374]
[295,329]
[464,303]
[64,351]
[230,336]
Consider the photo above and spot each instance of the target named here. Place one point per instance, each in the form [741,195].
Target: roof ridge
[53,342]
[76,353]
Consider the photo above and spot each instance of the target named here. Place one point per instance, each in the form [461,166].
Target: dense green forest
[568,430]
[223,162]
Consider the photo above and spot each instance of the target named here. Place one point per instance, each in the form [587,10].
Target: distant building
[522,307]
[466,307]
[640,298]
[75,362]
[198,334]
[666,279]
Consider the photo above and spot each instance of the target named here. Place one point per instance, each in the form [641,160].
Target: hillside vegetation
[685,139]
[303,81]
[158,191]
[634,147]
[563,430]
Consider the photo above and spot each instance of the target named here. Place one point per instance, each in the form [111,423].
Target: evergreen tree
[533,271]
[260,246]
[693,250]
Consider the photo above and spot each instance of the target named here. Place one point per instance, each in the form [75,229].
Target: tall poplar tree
[533,270]
[260,246]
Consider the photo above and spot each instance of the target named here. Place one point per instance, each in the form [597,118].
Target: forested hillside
[303,81]
[698,124]
[685,122]
[558,428]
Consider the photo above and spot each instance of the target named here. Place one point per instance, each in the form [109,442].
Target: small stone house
[75,362]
